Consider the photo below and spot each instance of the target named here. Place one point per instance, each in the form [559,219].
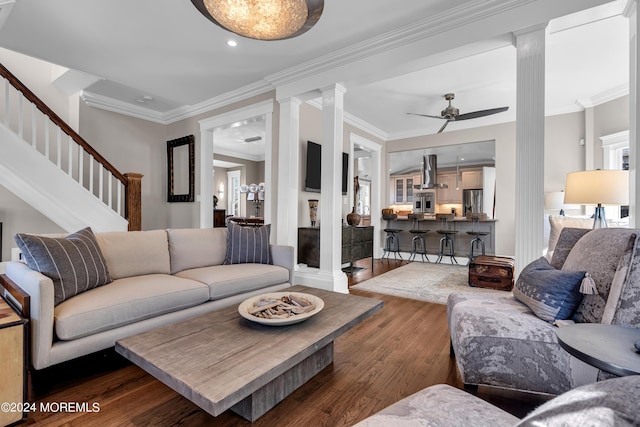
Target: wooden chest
[493,272]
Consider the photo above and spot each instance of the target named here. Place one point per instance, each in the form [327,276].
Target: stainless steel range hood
[430,173]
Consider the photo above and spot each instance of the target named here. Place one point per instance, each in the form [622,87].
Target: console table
[357,243]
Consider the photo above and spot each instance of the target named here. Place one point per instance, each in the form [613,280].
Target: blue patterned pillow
[248,244]
[551,294]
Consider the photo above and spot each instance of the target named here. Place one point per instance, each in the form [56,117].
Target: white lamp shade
[606,187]
[554,200]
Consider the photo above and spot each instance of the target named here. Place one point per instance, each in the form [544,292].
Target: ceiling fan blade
[426,115]
[444,126]
[481,113]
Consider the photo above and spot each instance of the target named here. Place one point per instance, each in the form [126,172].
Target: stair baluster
[127,186]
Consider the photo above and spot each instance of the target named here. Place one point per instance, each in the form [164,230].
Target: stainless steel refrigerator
[472,201]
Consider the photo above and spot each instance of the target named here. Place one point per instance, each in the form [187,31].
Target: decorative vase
[353,218]
[313,212]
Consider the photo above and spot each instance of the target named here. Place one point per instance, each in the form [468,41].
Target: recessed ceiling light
[232,43]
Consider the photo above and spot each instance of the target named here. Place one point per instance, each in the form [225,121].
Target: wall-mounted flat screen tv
[314,168]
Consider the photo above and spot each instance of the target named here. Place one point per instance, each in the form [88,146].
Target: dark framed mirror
[181,169]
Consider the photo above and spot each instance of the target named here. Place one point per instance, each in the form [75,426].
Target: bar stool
[477,242]
[418,245]
[392,241]
[446,241]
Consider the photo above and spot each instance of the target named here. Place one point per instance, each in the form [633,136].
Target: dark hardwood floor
[401,349]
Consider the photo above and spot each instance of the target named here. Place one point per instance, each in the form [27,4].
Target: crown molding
[116,106]
[238,154]
[418,30]
[177,114]
[355,122]
[240,94]
[606,96]
[421,29]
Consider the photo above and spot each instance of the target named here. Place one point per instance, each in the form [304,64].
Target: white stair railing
[49,135]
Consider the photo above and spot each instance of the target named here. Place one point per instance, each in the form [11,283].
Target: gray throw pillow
[551,294]
[74,263]
[568,238]
[603,404]
[248,244]
[598,253]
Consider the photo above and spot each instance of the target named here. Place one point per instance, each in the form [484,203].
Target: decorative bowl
[249,303]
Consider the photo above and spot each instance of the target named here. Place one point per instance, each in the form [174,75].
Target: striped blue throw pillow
[248,244]
[74,263]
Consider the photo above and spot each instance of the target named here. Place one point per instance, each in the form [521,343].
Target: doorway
[369,163]
[211,143]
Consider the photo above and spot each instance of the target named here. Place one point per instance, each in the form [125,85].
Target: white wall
[609,118]
[133,145]
[563,152]
[19,217]
[38,75]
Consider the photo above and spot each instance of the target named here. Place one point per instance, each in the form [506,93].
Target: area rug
[423,281]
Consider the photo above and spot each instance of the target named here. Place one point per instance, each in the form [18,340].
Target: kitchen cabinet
[448,195]
[402,188]
[472,179]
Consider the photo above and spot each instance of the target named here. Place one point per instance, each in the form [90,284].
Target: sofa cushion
[248,244]
[551,294]
[227,280]
[598,253]
[625,310]
[74,263]
[569,236]
[603,404]
[125,301]
[134,253]
[499,341]
[196,247]
[440,405]
[558,222]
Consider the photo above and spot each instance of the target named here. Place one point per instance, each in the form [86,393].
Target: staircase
[48,165]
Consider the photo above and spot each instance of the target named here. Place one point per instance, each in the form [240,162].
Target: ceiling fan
[452,114]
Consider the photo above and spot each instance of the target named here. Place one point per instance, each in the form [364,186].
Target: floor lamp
[597,187]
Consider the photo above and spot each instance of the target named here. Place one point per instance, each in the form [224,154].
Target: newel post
[133,202]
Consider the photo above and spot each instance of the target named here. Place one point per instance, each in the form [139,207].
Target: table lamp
[554,200]
[597,187]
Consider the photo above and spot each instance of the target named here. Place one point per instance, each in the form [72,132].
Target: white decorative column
[288,173]
[205,147]
[631,12]
[530,44]
[331,190]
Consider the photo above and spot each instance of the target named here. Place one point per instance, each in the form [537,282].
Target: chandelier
[262,19]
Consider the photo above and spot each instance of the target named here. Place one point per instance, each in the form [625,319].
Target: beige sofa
[159,277]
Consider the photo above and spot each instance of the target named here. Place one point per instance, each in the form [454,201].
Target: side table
[13,368]
[607,347]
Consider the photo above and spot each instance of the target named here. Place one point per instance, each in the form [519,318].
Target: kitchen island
[462,240]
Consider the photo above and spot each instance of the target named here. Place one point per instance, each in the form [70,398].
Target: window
[615,157]
[233,184]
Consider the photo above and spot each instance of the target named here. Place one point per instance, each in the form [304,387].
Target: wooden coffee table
[221,361]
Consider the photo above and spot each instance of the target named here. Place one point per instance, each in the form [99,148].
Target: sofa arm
[40,289]
[283,256]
